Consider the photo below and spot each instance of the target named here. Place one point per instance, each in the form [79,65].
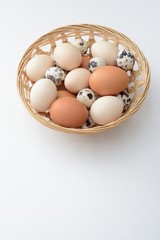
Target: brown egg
[108,80]
[68,112]
[85,61]
[61,87]
[65,93]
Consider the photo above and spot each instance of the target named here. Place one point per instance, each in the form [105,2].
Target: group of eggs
[81,86]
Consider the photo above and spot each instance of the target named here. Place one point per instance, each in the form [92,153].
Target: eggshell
[108,80]
[77,79]
[37,66]
[125,98]
[67,56]
[95,63]
[89,123]
[42,94]
[87,97]
[125,60]
[61,87]
[81,44]
[65,93]
[68,112]
[106,109]
[85,61]
[106,50]
[56,74]
[54,62]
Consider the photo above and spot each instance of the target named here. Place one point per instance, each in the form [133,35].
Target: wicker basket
[140,75]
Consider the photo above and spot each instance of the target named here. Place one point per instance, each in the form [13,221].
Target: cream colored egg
[67,56]
[105,50]
[37,66]
[106,109]
[42,94]
[77,79]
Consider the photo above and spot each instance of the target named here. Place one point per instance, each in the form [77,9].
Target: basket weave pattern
[140,75]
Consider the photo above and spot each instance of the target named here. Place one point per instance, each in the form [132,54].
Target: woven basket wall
[140,75]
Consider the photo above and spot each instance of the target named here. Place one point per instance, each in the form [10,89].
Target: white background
[76,187]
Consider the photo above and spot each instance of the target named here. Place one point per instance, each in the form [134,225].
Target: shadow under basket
[140,75]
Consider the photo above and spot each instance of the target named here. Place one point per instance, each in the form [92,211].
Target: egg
[65,93]
[85,61]
[96,62]
[77,79]
[125,60]
[67,56]
[56,74]
[108,80]
[68,112]
[131,86]
[106,109]
[54,62]
[126,99]
[37,66]
[61,87]
[42,94]
[89,123]
[81,44]
[87,97]
[106,50]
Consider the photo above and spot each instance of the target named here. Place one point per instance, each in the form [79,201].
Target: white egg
[67,56]
[106,109]
[106,50]
[37,66]
[42,94]
[77,79]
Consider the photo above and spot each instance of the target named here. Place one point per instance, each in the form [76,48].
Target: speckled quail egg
[89,123]
[87,97]
[54,62]
[81,44]
[96,62]
[56,74]
[126,99]
[125,60]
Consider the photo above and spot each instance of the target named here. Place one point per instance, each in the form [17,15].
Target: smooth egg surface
[68,112]
[37,66]
[77,79]
[67,56]
[65,93]
[42,94]
[108,80]
[106,109]
[106,50]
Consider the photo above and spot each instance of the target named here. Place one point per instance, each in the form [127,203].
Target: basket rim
[124,117]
